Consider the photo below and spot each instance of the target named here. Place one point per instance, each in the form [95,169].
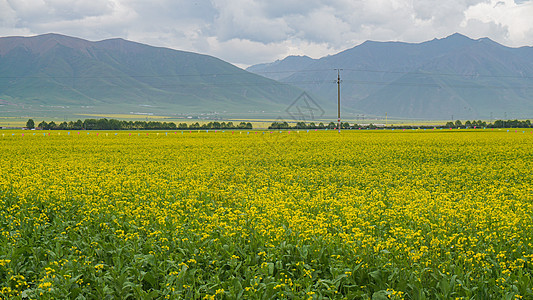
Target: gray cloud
[246,20]
[43,11]
[252,31]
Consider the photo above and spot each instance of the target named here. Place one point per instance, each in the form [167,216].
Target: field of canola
[238,215]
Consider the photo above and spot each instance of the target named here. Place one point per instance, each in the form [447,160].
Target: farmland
[436,214]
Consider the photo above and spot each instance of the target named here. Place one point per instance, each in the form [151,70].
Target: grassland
[436,214]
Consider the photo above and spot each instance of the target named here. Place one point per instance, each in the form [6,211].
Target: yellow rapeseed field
[435,214]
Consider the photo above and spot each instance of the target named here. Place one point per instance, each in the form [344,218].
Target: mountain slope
[455,76]
[121,76]
[281,69]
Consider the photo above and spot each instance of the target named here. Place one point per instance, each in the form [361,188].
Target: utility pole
[339,99]
[504,118]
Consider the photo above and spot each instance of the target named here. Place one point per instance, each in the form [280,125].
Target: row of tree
[456,124]
[113,124]
[216,125]
[496,124]
[102,124]
[312,125]
[333,125]
[467,124]
[511,124]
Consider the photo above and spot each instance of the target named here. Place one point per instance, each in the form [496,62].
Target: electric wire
[287,83]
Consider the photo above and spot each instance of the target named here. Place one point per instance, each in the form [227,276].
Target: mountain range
[55,72]
[450,78]
[455,77]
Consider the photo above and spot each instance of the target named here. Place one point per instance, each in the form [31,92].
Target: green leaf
[380,295]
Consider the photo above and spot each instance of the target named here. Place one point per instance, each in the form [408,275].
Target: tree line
[312,125]
[113,124]
[496,124]
[456,124]
[216,125]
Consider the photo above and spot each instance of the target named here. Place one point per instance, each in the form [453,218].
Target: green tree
[115,124]
[216,125]
[102,124]
[30,124]
[78,125]
[89,124]
[499,123]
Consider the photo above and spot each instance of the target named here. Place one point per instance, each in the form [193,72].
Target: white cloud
[246,20]
[42,11]
[515,17]
[246,32]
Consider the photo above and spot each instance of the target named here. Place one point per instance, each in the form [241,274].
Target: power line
[126,76]
[398,72]
[270,72]
[435,85]
[290,71]
[440,74]
[278,83]
[480,86]
[81,85]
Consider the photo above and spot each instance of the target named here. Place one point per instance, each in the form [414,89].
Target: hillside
[455,76]
[54,72]
[281,68]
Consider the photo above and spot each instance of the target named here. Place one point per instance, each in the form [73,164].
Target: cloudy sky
[246,32]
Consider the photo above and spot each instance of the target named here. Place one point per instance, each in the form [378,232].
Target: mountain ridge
[455,76]
[117,75]
[470,78]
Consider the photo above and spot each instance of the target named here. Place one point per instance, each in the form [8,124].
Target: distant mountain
[455,76]
[53,71]
[281,68]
